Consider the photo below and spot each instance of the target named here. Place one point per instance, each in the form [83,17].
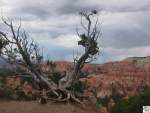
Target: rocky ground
[128,77]
[35,107]
[125,78]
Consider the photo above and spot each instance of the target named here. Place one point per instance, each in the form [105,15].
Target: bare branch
[25,48]
[88,41]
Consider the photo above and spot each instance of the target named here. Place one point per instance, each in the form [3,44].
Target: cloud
[68,41]
[125,25]
[115,54]
[126,30]
[107,5]
[43,9]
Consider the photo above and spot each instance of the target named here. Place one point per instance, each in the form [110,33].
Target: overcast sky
[125,25]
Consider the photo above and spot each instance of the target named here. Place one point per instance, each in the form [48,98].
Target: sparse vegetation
[133,104]
[5,93]
[6,72]
[56,76]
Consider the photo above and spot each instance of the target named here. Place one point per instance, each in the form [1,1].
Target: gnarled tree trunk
[25,49]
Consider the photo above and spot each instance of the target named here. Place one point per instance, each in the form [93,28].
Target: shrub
[55,77]
[5,72]
[133,104]
[78,87]
[5,93]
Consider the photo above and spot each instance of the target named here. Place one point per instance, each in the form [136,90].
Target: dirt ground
[35,107]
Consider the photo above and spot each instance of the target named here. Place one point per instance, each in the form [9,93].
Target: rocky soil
[34,107]
[128,77]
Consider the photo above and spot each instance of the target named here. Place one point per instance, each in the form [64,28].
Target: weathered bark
[27,48]
[90,45]
[23,46]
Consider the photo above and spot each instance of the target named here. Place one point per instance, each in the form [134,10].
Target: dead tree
[23,50]
[88,40]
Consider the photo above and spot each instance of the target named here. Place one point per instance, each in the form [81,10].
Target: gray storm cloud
[125,25]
